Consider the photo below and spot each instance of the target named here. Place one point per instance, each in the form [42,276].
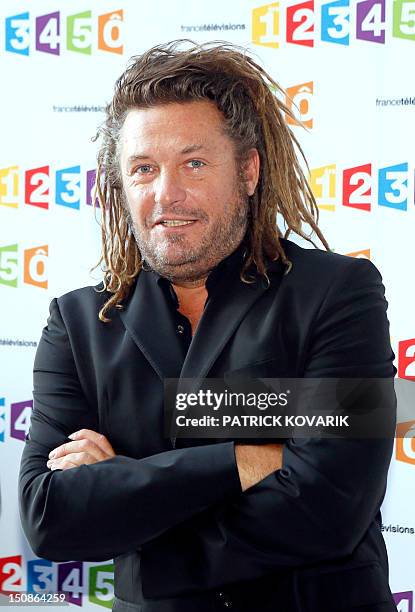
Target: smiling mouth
[175,223]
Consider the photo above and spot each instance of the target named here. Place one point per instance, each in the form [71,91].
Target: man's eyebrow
[192,149]
[189,149]
[135,157]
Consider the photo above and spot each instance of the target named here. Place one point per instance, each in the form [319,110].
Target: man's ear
[250,169]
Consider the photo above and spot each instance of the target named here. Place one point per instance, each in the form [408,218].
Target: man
[196,162]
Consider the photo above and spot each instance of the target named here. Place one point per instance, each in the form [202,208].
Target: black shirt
[229,265]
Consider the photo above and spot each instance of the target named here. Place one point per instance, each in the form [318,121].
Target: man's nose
[168,188]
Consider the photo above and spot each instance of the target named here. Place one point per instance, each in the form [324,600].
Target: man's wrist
[256,462]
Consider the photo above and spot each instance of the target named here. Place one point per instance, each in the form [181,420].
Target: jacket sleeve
[329,490]
[96,512]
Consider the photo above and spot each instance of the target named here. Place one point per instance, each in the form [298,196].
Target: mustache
[194,213]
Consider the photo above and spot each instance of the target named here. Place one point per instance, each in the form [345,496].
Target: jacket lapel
[148,319]
[222,315]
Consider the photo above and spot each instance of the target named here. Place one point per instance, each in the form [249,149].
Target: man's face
[187,202]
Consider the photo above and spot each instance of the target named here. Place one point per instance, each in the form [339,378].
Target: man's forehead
[180,129]
[145,150]
[174,118]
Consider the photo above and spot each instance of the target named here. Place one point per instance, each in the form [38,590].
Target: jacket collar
[148,318]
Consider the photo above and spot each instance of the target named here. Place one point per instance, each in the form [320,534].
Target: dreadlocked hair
[254,117]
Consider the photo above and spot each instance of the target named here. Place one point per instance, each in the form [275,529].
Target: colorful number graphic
[68,190]
[70,581]
[404,19]
[35,266]
[9,186]
[266,25]
[404,601]
[34,262]
[323,185]
[405,451]
[37,187]
[406,364]
[101,585]
[8,265]
[370,21]
[110,32]
[362,254]
[393,186]
[300,100]
[2,419]
[37,182]
[44,576]
[40,576]
[90,184]
[335,22]
[48,33]
[79,33]
[357,187]
[11,574]
[300,24]
[18,34]
[20,419]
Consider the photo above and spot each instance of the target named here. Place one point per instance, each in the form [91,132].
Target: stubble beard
[222,238]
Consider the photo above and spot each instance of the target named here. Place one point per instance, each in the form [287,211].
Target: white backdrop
[348,66]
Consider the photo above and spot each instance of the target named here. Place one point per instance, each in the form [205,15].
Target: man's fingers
[99,439]
[72,460]
[62,464]
[78,446]
[85,440]
[87,447]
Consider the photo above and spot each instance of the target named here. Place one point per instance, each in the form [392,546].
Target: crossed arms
[119,504]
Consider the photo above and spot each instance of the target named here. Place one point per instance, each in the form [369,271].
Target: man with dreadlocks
[196,161]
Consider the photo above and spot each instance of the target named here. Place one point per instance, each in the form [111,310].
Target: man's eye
[143,169]
[196,163]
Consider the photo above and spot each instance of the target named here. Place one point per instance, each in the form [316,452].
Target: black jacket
[183,536]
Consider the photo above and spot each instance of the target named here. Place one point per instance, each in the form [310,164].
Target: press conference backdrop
[347,68]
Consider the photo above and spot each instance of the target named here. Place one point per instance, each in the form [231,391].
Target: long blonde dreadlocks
[254,116]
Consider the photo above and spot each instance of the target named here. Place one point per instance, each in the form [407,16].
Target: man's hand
[88,447]
[255,462]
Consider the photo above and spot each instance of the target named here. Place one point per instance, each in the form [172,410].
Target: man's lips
[174,222]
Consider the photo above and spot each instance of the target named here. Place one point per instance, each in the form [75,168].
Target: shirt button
[180,329]
[226,603]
